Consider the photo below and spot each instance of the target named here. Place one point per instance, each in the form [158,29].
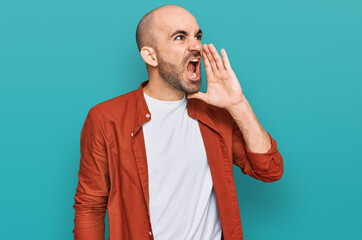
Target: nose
[195,45]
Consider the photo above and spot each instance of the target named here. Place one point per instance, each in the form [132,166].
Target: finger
[199,95]
[210,58]
[207,65]
[217,57]
[225,59]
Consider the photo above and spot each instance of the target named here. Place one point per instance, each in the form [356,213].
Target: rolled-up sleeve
[267,167]
[91,195]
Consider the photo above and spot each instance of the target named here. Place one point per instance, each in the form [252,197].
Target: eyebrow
[184,33]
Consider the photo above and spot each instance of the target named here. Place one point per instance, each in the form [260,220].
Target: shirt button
[147,115]
[150,233]
[229,181]
[131,134]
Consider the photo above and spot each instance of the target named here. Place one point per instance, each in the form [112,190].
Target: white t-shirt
[182,199]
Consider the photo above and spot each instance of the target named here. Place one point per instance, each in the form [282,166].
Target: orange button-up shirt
[113,171]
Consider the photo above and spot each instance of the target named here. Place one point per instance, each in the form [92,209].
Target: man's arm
[254,150]
[267,167]
[92,191]
[255,137]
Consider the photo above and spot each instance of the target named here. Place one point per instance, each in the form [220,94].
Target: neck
[160,89]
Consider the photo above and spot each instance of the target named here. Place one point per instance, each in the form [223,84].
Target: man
[160,158]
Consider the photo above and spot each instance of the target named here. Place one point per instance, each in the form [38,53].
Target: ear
[149,56]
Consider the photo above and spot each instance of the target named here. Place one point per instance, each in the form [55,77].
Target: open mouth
[193,68]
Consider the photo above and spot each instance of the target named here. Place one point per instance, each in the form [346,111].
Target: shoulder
[113,106]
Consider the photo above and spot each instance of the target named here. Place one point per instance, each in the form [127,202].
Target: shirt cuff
[262,160]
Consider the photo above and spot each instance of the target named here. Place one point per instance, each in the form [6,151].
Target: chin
[192,87]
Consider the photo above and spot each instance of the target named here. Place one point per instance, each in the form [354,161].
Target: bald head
[144,36]
[145,33]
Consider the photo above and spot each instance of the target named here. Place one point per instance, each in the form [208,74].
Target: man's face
[178,50]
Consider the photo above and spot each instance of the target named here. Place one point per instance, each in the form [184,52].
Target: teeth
[194,75]
[195,60]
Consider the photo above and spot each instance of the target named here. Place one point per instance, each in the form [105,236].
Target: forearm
[255,137]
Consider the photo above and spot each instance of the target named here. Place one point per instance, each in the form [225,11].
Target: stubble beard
[174,75]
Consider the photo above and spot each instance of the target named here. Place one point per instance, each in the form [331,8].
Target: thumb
[198,95]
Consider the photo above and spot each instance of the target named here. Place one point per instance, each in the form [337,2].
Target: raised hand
[223,88]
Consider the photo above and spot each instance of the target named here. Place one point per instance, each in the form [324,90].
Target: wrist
[239,106]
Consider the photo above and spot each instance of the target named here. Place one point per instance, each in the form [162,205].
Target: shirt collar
[196,109]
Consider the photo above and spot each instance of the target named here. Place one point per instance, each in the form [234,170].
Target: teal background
[299,64]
